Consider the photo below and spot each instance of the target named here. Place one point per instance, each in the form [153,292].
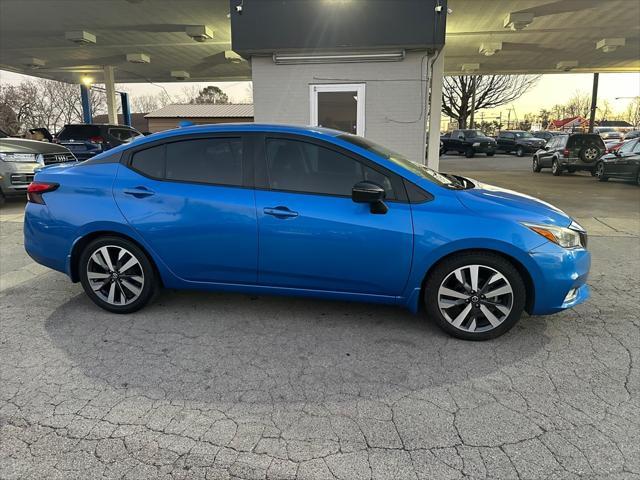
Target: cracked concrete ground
[219,386]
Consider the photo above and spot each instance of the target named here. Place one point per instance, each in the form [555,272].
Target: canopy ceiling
[561,31]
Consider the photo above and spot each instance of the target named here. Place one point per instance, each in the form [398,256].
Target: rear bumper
[561,280]
[45,241]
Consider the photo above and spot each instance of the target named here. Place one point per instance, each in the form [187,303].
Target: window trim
[247,157]
[261,181]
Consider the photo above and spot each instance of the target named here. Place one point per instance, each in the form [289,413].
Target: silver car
[19,158]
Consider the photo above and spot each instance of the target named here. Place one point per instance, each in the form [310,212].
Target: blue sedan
[266,209]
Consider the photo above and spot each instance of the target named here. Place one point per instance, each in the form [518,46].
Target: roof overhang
[33,37]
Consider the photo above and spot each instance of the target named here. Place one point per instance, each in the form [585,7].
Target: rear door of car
[313,236]
[506,141]
[626,162]
[191,199]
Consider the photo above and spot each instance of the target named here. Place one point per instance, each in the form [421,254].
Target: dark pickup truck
[468,142]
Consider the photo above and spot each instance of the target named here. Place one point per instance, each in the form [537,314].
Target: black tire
[590,153]
[469,152]
[593,172]
[520,152]
[490,154]
[556,170]
[2,199]
[535,165]
[442,151]
[599,172]
[150,285]
[638,178]
[445,268]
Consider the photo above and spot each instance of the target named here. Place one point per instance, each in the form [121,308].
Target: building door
[338,106]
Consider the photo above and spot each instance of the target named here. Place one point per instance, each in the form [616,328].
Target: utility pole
[594,102]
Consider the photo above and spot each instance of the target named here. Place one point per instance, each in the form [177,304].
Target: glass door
[338,106]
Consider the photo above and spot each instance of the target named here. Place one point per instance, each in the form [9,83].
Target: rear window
[79,132]
[579,141]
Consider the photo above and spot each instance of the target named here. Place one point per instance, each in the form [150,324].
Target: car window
[508,136]
[150,161]
[523,135]
[636,148]
[627,147]
[208,160]
[562,140]
[300,166]
[552,142]
[582,140]
[123,134]
[78,132]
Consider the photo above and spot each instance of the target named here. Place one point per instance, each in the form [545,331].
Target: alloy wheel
[475,298]
[115,275]
[591,154]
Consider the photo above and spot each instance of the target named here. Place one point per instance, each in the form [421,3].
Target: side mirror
[371,193]
[460,137]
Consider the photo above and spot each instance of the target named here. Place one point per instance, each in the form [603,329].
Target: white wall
[395,96]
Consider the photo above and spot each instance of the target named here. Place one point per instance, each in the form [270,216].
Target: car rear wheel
[520,152]
[475,295]
[600,172]
[490,154]
[536,165]
[469,152]
[117,275]
[589,154]
[555,168]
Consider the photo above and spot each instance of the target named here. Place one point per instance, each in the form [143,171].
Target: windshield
[416,168]
[473,133]
[523,135]
[3,134]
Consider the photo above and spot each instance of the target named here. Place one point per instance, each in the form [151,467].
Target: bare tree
[578,105]
[632,113]
[491,91]
[149,103]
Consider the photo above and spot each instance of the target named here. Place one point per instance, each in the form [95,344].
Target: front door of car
[624,164]
[189,201]
[545,154]
[311,233]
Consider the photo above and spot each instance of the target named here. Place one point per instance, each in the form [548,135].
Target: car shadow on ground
[234,348]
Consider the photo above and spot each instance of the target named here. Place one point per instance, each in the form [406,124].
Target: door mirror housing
[461,137]
[371,193]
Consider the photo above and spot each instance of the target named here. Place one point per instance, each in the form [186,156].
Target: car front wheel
[469,152]
[117,275]
[520,152]
[600,172]
[536,165]
[475,295]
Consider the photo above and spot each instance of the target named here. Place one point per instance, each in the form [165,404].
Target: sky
[551,90]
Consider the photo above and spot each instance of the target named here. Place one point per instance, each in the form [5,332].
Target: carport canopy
[34,38]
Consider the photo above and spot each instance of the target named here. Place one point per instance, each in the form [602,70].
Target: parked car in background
[632,134]
[545,135]
[20,157]
[519,142]
[88,140]
[570,153]
[612,145]
[608,133]
[309,212]
[623,164]
[469,142]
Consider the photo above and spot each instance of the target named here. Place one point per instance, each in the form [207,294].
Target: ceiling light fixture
[232,57]
[292,59]
[518,20]
[567,65]
[610,44]
[200,33]
[138,58]
[180,75]
[86,80]
[33,63]
[80,37]
[490,48]
[470,67]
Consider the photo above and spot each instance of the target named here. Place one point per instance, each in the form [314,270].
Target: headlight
[566,237]
[476,144]
[18,157]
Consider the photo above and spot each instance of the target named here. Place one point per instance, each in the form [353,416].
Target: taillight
[36,189]
[566,153]
[96,139]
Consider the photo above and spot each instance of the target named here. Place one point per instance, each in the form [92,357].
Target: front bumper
[560,279]
[15,177]
[529,148]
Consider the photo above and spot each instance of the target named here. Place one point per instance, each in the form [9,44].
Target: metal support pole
[594,102]
[126,110]
[109,86]
[473,102]
[86,104]
[435,111]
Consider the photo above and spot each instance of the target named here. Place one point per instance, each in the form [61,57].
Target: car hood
[482,139]
[487,199]
[531,140]
[22,145]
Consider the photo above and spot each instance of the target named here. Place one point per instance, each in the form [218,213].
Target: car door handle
[280,212]
[139,191]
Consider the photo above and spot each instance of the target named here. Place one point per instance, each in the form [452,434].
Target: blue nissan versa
[302,211]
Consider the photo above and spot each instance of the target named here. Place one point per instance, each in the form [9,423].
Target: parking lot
[202,385]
